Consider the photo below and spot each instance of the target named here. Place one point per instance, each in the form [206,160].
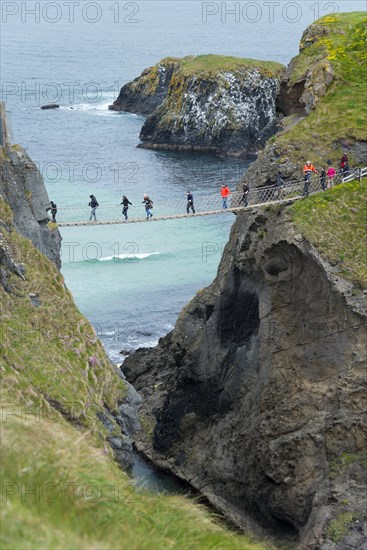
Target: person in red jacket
[225,192]
[308,169]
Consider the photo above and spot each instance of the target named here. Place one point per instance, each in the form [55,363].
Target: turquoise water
[130,281]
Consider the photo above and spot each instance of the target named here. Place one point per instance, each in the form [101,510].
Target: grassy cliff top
[341,113]
[212,64]
[335,223]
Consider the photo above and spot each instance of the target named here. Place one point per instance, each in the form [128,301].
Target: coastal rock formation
[261,385]
[31,342]
[28,281]
[22,186]
[205,103]
[322,98]
[144,94]
[258,396]
[50,106]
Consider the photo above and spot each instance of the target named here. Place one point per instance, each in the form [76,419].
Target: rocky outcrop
[305,83]
[261,386]
[320,90]
[144,94]
[205,103]
[127,418]
[50,106]
[22,186]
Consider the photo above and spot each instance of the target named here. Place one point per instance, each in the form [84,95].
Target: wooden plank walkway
[260,196]
[177,216]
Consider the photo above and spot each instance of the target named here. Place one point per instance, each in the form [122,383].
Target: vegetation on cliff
[82,500]
[51,356]
[339,39]
[211,65]
[335,223]
[326,87]
[60,486]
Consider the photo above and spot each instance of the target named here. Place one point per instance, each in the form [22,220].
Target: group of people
[148,204]
[125,203]
[327,174]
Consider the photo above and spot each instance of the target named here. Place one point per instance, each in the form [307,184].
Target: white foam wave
[88,106]
[128,256]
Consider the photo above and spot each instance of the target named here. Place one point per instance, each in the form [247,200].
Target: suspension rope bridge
[206,205]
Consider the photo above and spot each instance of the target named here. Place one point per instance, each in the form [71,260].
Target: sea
[130,281]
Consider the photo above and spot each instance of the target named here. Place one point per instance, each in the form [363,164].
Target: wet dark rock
[50,106]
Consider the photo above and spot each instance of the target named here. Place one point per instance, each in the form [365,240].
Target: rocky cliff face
[22,186]
[205,103]
[144,94]
[322,99]
[262,385]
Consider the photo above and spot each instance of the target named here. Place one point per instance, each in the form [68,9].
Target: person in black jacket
[190,202]
[53,208]
[323,178]
[94,205]
[125,203]
[246,190]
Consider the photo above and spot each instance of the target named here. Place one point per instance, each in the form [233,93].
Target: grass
[206,66]
[50,353]
[341,115]
[56,378]
[81,500]
[335,222]
[339,526]
[345,462]
[210,64]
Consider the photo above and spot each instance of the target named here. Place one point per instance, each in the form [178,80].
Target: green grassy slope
[54,370]
[341,115]
[82,501]
[203,66]
[336,223]
[50,354]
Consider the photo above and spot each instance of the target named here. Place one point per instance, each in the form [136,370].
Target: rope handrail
[211,204]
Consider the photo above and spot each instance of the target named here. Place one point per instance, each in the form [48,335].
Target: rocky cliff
[261,386]
[207,103]
[322,97]
[62,401]
[257,397]
[22,186]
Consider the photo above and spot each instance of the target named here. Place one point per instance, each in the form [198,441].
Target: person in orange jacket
[225,192]
[308,169]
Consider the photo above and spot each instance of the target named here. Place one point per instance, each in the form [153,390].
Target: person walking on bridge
[190,202]
[225,192]
[308,169]
[246,190]
[94,205]
[125,203]
[53,208]
[148,206]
